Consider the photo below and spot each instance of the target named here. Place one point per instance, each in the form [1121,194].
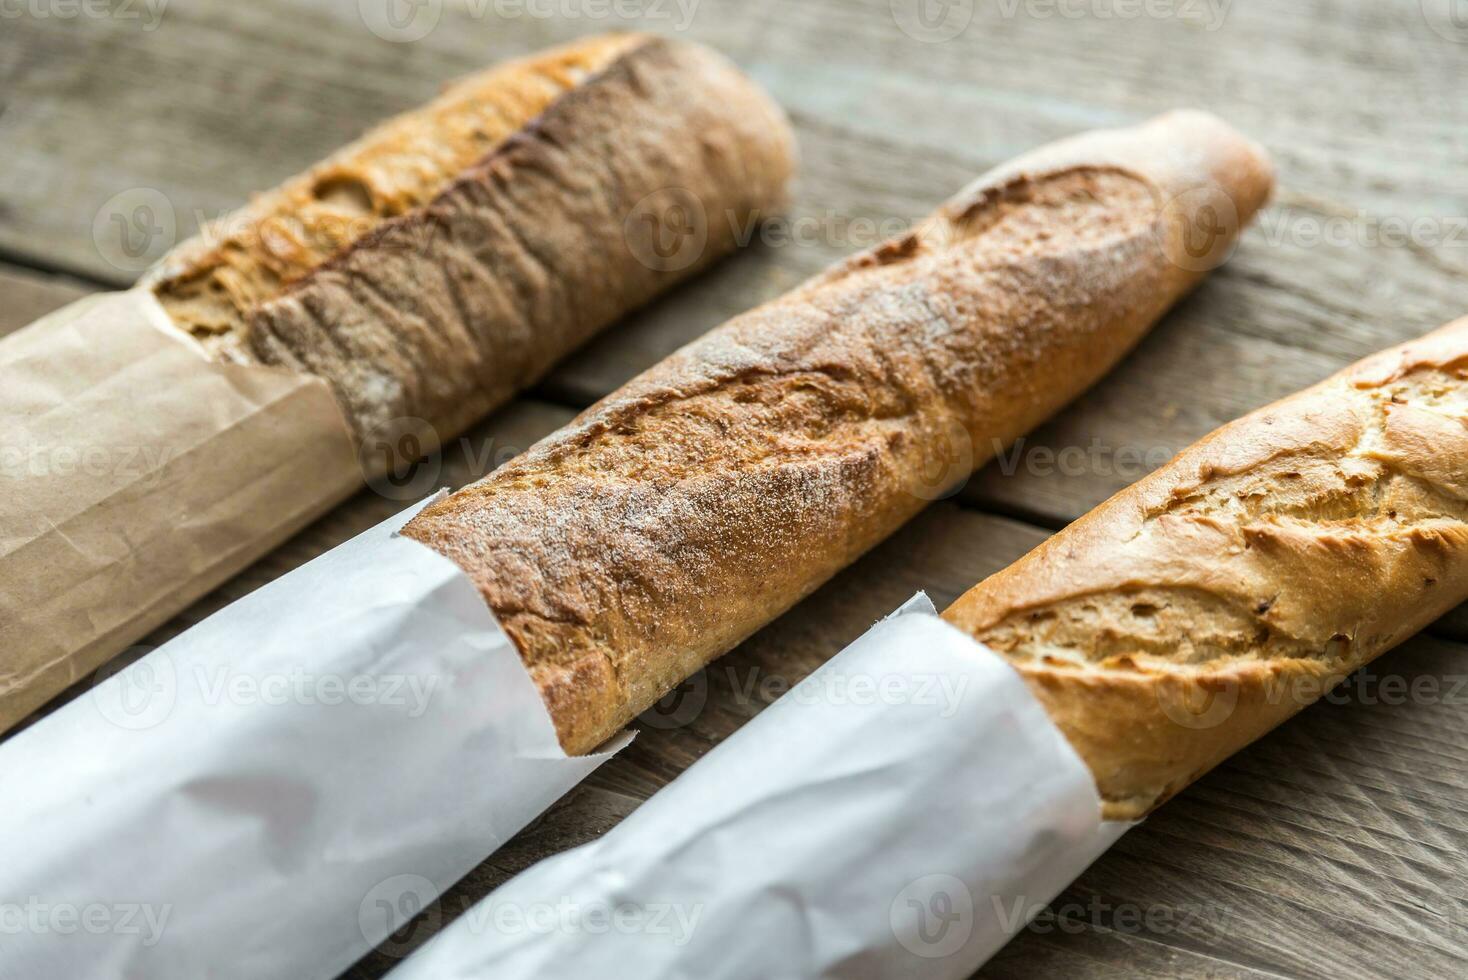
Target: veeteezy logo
[38,917]
[224,685]
[142,694]
[148,12]
[406,21]
[1209,13]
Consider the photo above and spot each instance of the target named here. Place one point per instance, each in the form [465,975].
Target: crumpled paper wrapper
[900,813]
[135,476]
[281,787]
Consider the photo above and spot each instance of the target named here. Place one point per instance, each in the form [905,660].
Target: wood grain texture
[1336,846]
[221,100]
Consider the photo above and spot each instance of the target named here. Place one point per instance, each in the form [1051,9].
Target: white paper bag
[900,813]
[278,789]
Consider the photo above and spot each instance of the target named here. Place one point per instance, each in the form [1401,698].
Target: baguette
[449,257]
[676,516]
[1196,610]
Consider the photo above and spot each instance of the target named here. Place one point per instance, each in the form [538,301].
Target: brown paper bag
[135,476]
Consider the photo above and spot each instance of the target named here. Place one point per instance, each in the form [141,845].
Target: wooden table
[1337,846]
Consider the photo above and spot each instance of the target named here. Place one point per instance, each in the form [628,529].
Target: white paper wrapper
[901,813]
[275,791]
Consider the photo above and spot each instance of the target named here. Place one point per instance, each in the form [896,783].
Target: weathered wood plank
[272,86]
[1454,625]
[223,99]
[1336,845]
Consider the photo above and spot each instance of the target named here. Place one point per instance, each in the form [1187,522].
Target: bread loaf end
[1194,611]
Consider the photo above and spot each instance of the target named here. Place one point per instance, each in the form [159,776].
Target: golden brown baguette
[1196,610]
[682,512]
[449,257]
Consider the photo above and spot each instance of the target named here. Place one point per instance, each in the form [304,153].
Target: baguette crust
[445,261]
[708,495]
[1196,610]
[212,283]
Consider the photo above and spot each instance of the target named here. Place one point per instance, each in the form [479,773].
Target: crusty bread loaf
[447,258]
[682,512]
[1194,611]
